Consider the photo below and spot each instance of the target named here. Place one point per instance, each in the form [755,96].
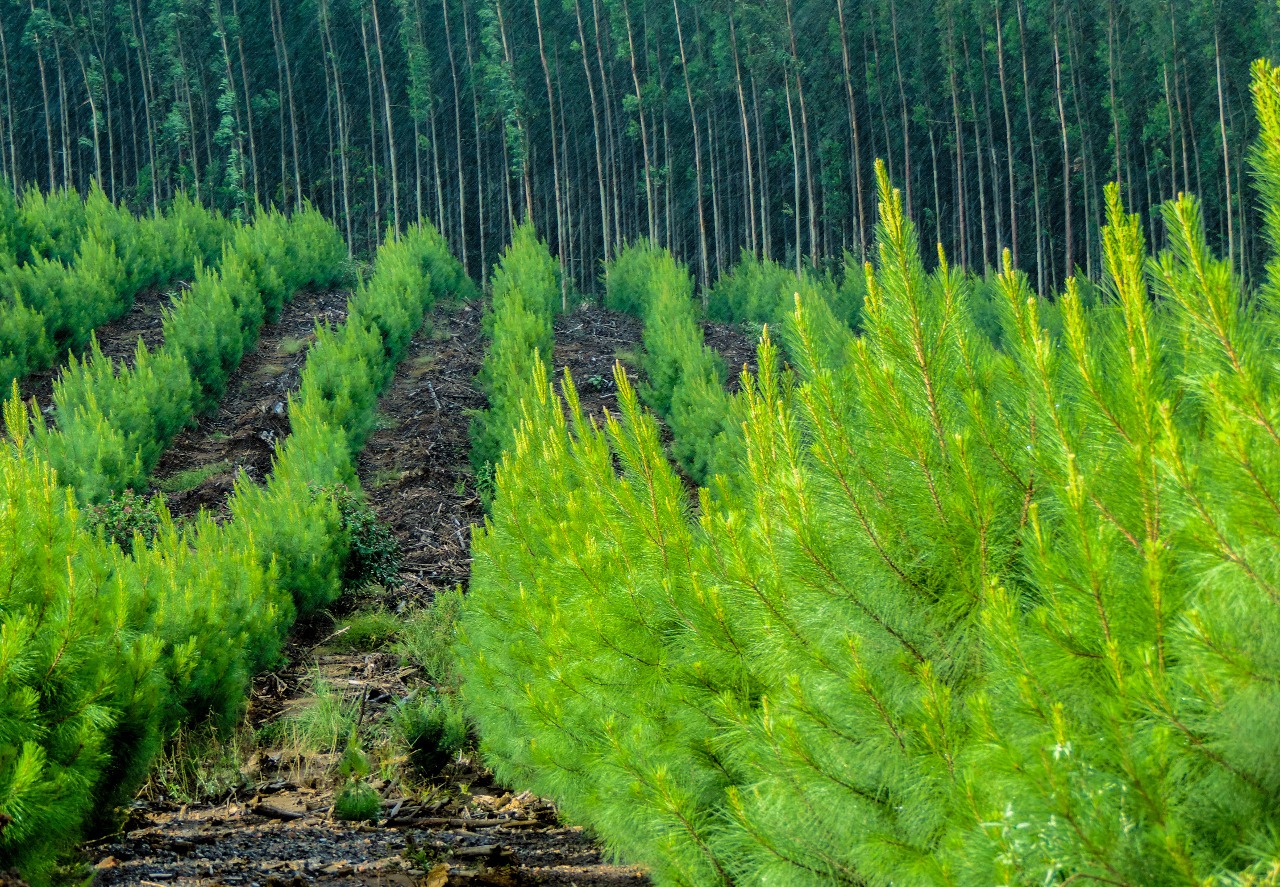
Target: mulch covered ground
[415,467]
[589,341]
[736,344]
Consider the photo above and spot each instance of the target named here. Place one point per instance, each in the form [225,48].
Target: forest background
[711,127]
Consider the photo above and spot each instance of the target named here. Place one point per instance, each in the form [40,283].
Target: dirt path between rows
[589,341]
[736,345]
[117,339]
[415,467]
[199,468]
[275,828]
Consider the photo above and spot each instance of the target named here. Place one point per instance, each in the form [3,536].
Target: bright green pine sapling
[78,685]
[526,295]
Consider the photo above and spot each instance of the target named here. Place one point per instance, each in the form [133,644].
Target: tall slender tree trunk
[747,164]
[248,99]
[766,229]
[1009,137]
[644,135]
[13,170]
[144,74]
[902,96]
[555,156]
[386,107]
[373,130]
[221,26]
[611,136]
[344,130]
[855,149]
[1226,154]
[463,237]
[1035,162]
[697,156]
[596,131]
[1069,241]
[475,117]
[44,91]
[804,130]
[795,168]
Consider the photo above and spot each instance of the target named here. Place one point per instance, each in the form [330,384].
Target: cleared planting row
[105,653]
[985,597]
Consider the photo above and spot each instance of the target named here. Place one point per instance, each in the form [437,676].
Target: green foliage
[77,265]
[966,614]
[78,684]
[127,518]
[684,380]
[102,659]
[325,725]
[112,421]
[427,638]
[373,555]
[526,296]
[205,328]
[295,517]
[367,630]
[431,728]
[357,802]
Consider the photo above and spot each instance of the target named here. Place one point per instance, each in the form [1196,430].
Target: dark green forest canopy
[712,127]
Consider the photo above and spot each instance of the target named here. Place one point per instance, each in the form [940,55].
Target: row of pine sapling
[968,609]
[113,420]
[107,652]
[69,265]
[525,296]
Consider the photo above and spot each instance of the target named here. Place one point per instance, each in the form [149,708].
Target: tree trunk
[463,238]
[747,164]
[855,149]
[11,169]
[248,101]
[1035,163]
[902,95]
[596,131]
[386,108]
[1066,156]
[555,157]
[475,116]
[644,135]
[373,130]
[344,130]
[1226,154]
[697,155]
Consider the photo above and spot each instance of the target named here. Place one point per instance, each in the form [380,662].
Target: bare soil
[736,344]
[415,466]
[458,827]
[241,434]
[589,341]
[278,829]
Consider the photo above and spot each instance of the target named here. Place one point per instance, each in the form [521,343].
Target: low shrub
[431,728]
[127,519]
[373,554]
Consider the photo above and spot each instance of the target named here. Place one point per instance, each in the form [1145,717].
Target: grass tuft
[192,477]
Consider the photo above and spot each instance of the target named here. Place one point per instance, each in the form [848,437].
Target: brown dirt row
[199,468]
[589,341]
[415,467]
[736,344]
[276,828]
